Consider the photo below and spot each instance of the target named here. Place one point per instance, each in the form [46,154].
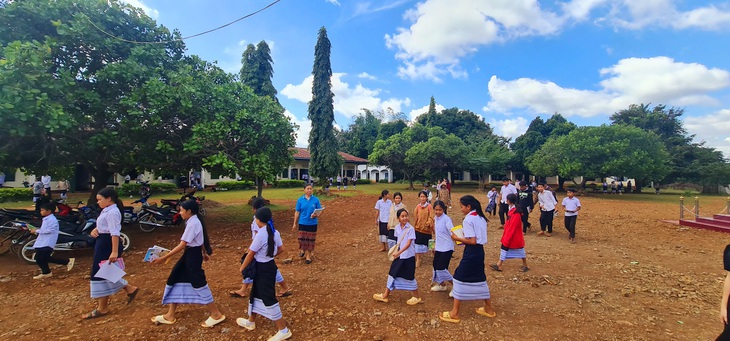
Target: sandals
[211,322]
[93,314]
[413,300]
[160,319]
[524,269]
[130,297]
[495,267]
[235,294]
[482,312]
[285,294]
[380,298]
[446,316]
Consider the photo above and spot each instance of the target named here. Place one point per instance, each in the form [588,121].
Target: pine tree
[325,161]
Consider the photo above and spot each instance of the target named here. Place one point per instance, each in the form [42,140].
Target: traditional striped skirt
[307,237]
[402,274]
[263,292]
[512,253]
[392,240]
[279,278]
[470,281]
[441,260]
[102,249]
[383,232]
[422,242]
[186,283]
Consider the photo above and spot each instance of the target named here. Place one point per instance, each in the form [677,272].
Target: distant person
[492,201]
[393,220]
[2,179]
[382,217]
[423,224]
[46,180]
[305,220]
[344,182]
[507,189]
[526,200]
[571,206]
[613,187]
[37,189]
[47,239]
[548,208]
[513,241]
[605,187]
[63,188]
[127,178]
[339,181]
[620,187]
[354,182]
[629,187]
[656,188]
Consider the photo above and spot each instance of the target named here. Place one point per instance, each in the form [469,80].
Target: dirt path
[629,277]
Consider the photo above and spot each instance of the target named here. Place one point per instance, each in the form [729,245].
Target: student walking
[63,188]
[492,201]
[306,220]
[382,217]
[402,274]
[339,182]
[46,180]
[571,206]
[470,281]
[507,189]
[187,283]
[548,208]
[424,225]
[108,247]
[393,219]
[344,182]
[513,240]
[265,246]
[444,247]
[46,241]
[526,203]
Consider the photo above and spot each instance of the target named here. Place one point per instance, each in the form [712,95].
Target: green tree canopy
[361,135]
[538,132]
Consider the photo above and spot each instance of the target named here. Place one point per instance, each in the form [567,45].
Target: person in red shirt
[513,240]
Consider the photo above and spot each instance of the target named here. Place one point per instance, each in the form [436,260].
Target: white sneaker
[43,276]
[70,264]
[280,336]
[245,323]
[451,293]
[439,288]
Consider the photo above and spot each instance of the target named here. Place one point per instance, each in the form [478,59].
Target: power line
[179,39]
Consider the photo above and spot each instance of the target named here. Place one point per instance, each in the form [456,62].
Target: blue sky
[506,60]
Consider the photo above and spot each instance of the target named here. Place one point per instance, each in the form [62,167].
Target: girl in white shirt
[382,217]
[402,274]
[393,219]
[444,247]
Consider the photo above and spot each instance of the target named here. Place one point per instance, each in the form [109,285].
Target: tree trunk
[101,176]
[410,180]
[561,183]
[259,186]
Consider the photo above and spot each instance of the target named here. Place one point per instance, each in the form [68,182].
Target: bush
[15,194]
[288,183]
[385,181]
[155,187]
[364,181]
[231,185]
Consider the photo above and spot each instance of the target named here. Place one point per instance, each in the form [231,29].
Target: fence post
[727,206]
[697,207]
[681,208]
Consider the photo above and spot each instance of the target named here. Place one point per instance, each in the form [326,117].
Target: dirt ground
[628,277]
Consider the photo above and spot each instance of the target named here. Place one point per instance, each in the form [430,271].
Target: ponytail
[270,241]
[194,209]
[473,203]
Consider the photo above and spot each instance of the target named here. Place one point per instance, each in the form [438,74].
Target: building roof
[303,155]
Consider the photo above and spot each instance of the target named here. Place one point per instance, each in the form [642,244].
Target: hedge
[288,183]
[230,185]
[15,194]
[155,187]
[383,181]
[364,181]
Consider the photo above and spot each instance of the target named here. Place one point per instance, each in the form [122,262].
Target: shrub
[364,181]
[288,183]
[231,185]
[15,194]
[385,181]
[155,187]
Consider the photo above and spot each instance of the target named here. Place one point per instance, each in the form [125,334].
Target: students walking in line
[513,240]
[444,247]
[265,246]
[393,219]
[507,189]
[187,283]
[548,208]
[571,206]
[402,273]
[423,224]
[382,217]
[470,281]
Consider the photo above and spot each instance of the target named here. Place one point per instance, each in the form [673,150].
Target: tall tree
[257,70]
[361,135]
[325,161]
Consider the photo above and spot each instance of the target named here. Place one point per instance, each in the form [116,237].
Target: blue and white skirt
[102,249]
[402,275]
[422,242]
[279,278]
[470,281]
[186,283]
[441,260]
[383,232]
[263,292]
[392,240]
[512,253]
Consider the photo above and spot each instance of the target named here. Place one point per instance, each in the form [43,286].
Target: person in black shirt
[526,201]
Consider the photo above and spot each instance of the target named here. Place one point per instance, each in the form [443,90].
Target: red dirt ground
[628,277]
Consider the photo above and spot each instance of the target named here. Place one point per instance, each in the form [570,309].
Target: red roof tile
[303,154]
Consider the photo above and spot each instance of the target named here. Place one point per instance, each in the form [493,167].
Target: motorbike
[151,217]
[129,215]
[173,203]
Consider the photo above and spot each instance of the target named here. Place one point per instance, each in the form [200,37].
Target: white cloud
[420,111]
[664,13]
[713,128]
[151,12]
[632,80]
[305,126]
[511,127]
[366,75]
[349,100]
[334,2]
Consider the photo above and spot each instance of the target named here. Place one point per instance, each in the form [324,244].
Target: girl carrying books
[402,274]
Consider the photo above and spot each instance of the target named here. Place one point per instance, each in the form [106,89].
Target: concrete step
[725,217]
[714,221]
[704,225]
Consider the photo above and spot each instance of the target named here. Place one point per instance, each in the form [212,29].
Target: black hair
[542,183]
[383,194]
[471,201]
[397,214]
[512,199]
[494,187]
[424,193]
[440,203]
[109,192]
[258,202]
[47,205]
[307,184]
[523,183]
[571,189]
[263,214]
[505,179]
[192,206]
[398,194]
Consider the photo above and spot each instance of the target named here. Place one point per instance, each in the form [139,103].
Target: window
[457,175]
[294,174]
[285,173]
[9,174]
[349,173]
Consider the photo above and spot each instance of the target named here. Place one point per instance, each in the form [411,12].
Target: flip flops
[285,294]
[160,319]
[380,298]
[235,294]
[482,312]
[211,322]
[130,297]
[446,316]
[524,269]
[495,267]
[93,314]
[413,300]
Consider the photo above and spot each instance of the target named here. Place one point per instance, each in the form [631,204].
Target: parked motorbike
[129,215]
[173,203]
[151,217]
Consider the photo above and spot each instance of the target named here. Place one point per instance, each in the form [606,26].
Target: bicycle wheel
[6,238]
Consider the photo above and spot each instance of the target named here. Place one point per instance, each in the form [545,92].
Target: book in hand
[155,252]
[459,232]
[112,272]
[318,211]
